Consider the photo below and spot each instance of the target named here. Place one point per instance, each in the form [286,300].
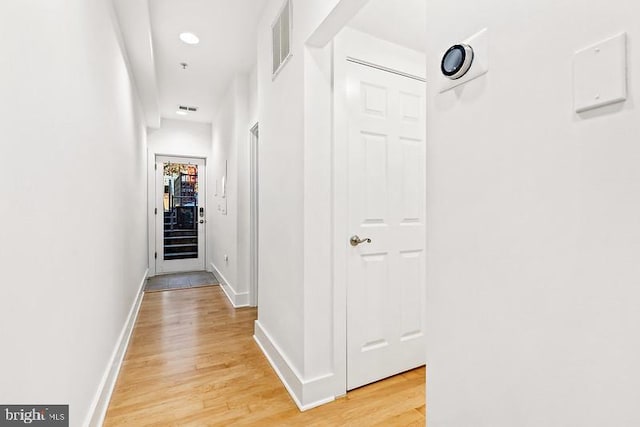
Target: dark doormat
[180,281]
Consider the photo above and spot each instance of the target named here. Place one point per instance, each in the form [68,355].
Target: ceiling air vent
[189,109]
[281,37]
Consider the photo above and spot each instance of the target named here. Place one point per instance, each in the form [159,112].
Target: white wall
[186,139]
[181,138]
[253,96]
[73,249]
[135,26]
[230,232]
[300,325]
[533,224]
[400,23]
[242,172]
[281,113]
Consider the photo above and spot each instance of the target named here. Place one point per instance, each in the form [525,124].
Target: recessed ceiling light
[181,113]
[189,38]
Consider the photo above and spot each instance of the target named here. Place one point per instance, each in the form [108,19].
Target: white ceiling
[227,32]
[402,22]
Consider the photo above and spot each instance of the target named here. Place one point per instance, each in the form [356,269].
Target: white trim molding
[237,299]
[307,394]
[100,403]
[254,212]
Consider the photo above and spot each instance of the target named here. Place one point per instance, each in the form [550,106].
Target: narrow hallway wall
[230,214]
[73,228]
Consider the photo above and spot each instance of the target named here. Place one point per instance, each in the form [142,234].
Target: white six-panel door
[385,288]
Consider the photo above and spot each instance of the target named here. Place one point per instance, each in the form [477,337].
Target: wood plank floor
[192,361]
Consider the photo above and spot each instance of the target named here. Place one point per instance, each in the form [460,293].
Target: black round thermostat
[456,61]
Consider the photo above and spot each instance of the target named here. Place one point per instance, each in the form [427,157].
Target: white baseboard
[100,403]
[237,299]
[307,394]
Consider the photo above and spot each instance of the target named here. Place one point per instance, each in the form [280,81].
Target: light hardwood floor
[192,361]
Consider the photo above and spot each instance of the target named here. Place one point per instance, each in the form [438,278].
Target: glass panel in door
[180,203]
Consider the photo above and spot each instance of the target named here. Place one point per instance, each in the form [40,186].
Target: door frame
[347,49]
[152,189]
[254,212]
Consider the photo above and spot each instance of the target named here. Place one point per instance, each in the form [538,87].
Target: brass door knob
[355,240]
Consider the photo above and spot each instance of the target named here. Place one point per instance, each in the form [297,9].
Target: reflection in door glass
[180,211]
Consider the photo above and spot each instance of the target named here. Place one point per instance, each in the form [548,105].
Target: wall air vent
[188,109]
[281,37]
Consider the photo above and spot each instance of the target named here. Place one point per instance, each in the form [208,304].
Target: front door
[180,214]
[386,261]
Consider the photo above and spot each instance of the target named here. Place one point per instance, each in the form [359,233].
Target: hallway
[392,184]
[192,360]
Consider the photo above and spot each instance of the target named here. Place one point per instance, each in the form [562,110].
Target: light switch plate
[600,74]
[480,66]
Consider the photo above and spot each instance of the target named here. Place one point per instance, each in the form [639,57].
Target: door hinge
[155,166]
[156,255]
[156,211]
